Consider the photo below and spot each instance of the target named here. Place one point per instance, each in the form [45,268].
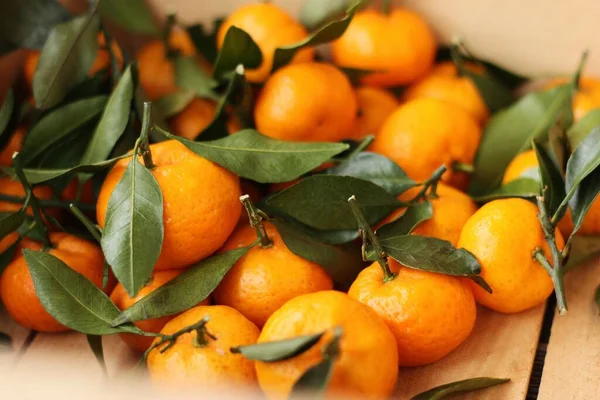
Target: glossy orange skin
[196,117]
[587,97]
[503,235]
[443,83]
[451,210]
[367,367]
[270,27]
[121,298]
[15,143]
[375,105]
[101,62]
[522,165]
[201,204]
[399,44]
[307,102]
[187,366]
[14,188]
[265,278]
[423,134]
[156,71]
[429,314]
[18,291]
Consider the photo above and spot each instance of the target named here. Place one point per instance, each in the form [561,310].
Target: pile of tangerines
[275,316]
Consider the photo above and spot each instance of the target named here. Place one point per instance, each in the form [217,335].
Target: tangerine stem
[144,147]
[256,221]
[430,183]
[369,237]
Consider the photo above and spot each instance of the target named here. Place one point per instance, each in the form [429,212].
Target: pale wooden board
[18,335]
[572,365]
[500,346]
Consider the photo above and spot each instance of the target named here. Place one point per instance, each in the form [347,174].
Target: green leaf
[251,155]
[342,263]
[584,163]
[10,222]
[313,383]
[133,231]
[189,76]
[407,222]
[174,103]
[511,130]
[238,48]
[375,168]
[467,385]
[132,15]
[70,297]
[583,249]
[58,124]
[205,42]
[6,110]
[27,24]
[95,343]
[65,60]
[113,122]
[321,201]
[583,127]
[431,254]
[524,188]
[184,291]
[552,180]
[328,33]
[559,146]
[314,13]
[355,75]
[7,256]
[40,175]
[278,350]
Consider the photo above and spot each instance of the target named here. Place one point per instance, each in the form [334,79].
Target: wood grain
[18,335]
[572,365]
[500,346]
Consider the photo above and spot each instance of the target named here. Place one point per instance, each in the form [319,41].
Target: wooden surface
[572,365]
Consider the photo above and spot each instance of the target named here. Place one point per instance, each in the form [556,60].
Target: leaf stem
[144,147]
[94,230]
[370,238]
[555,270]
[430,183]
[463,167]
[256,221]
[31,199]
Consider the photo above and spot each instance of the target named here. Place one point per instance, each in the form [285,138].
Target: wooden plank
[500,346]
[18,335]
[572,365]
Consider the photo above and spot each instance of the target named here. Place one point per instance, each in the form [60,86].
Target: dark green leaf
[70,297]
[65,60]
[597,297]
[328,33]
[185,291]
[314,13]
[39,175]
[251,155]
[584,163]
[321,201]
[95,343]
[7,256]
[66,153]
[190,76]
[132,15]
[95,85]
[552,180]
[278,350]
[355,75]
[583,127]
[525,188]
[60,123]
[205,42]
[313,383]
[481,282]
[343,264]
[583,248]
[10,222]
[407,222]
[510,131]
[375,168]
[174,103]
[6,110]
[431,254]
[238,48]
[113,122]
[467,385]
[495,95]
[133,231]
[28,23]
[6,343]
